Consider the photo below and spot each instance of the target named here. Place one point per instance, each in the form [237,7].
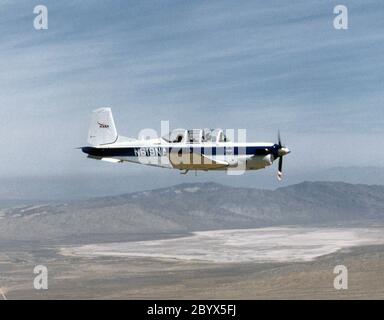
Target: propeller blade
[280,170]
[281,152]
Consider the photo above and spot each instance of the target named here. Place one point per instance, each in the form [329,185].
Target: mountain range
[115,180]
[195,207]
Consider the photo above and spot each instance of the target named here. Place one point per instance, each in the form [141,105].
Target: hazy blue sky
[259,65]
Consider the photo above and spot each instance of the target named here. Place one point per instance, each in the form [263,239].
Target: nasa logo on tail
[103,125]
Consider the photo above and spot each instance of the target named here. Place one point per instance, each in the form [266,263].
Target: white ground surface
[249,245]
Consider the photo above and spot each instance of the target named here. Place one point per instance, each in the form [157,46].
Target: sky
[258,65]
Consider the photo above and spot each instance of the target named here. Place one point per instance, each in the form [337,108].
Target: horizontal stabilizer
[112,160]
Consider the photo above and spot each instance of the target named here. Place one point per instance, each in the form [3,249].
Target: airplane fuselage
[194,149]
[249,156]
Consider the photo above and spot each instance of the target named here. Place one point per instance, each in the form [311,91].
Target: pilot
[206,136]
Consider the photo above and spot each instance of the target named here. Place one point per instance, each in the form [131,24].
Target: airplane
[185,150]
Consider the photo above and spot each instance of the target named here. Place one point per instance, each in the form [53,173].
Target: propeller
[281,152]
[280,172]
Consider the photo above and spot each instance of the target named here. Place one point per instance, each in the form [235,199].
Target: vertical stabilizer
[102,129]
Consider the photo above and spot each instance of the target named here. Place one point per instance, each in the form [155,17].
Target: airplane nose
[284,151]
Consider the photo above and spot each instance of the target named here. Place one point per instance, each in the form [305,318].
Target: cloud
[245,64]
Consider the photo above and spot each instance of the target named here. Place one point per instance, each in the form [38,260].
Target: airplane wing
[195,161]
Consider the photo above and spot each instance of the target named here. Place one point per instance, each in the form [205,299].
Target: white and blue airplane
[185,150]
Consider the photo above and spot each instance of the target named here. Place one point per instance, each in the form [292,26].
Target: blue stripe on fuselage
[135,151]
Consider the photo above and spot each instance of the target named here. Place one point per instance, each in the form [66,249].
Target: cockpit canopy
[196,136]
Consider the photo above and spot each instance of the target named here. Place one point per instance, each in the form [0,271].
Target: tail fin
[102,129]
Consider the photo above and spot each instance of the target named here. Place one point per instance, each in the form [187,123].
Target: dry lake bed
[265,263]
